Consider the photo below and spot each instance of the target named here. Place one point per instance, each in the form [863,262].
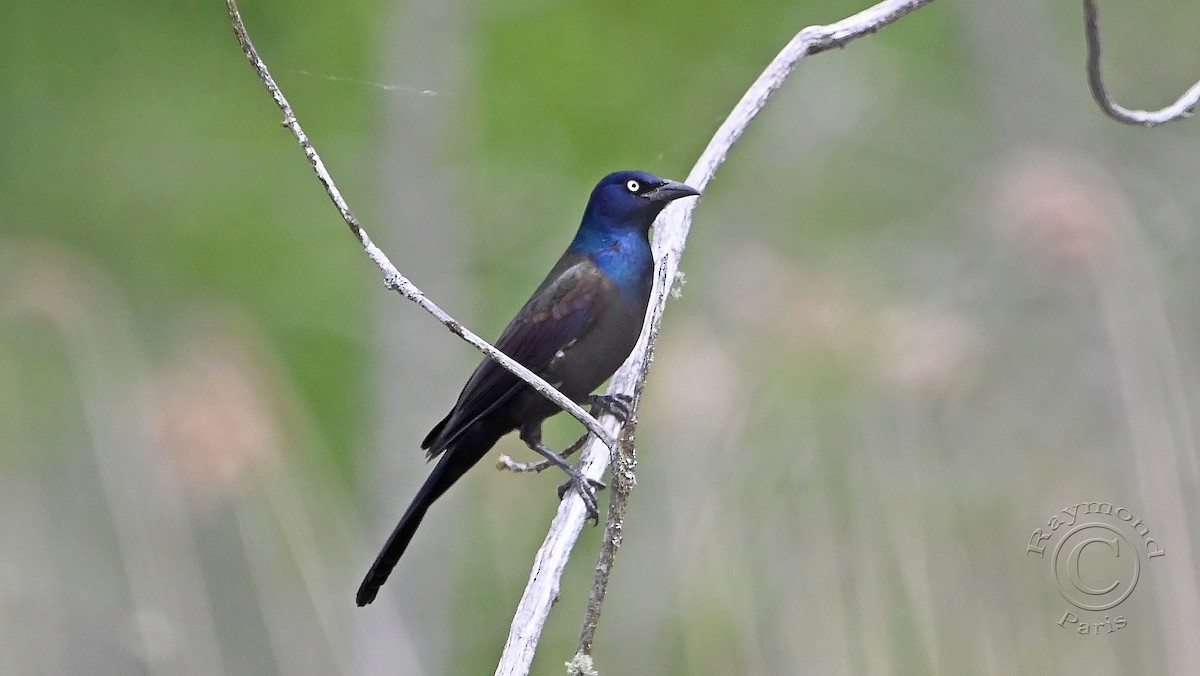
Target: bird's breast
[629,265]
[582,365]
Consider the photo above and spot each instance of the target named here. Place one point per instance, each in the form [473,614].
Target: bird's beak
[671,190]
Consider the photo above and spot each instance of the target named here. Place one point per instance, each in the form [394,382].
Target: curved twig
[392,278]
[1182,108]
[670,233]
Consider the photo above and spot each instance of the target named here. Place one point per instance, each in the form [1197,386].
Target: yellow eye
[633,185]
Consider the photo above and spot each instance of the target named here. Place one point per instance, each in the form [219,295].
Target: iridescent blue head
[616,224]
[625,203]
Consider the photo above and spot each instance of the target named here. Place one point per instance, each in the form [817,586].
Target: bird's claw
[616,405]
[586,488]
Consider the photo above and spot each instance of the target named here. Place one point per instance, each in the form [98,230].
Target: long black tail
[454,463]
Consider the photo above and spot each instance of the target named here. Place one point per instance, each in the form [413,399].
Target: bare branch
[670,233]
[1182,108]
[623,480]
[622,483]
[392,278]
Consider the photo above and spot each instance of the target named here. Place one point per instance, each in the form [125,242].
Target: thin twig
[623,481]
[539,466]
[392,278]
[1182,108]
[670,234]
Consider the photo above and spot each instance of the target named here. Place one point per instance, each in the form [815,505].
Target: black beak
[671,190]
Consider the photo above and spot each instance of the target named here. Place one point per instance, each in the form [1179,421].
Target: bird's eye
[633,185]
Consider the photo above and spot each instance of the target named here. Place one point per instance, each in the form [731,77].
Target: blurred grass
[130,137]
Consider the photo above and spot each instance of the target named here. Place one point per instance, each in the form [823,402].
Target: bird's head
[631,200]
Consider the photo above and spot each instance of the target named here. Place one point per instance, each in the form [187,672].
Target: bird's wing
[559,312]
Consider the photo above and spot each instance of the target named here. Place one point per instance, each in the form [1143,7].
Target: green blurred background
[933,297]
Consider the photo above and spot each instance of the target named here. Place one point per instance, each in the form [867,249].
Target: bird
[579,325]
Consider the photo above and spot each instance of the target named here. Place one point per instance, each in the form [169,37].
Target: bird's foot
[586,488]
[532,436]
[616,405]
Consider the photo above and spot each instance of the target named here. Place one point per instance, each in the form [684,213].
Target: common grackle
[576,329]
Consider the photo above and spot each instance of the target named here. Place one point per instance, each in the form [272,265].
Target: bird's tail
[467,451]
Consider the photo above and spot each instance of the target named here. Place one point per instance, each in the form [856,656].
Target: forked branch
[670,234]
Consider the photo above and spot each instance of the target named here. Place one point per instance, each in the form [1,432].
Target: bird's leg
[532,436]
[616,405]
[541,465]
[574,447]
